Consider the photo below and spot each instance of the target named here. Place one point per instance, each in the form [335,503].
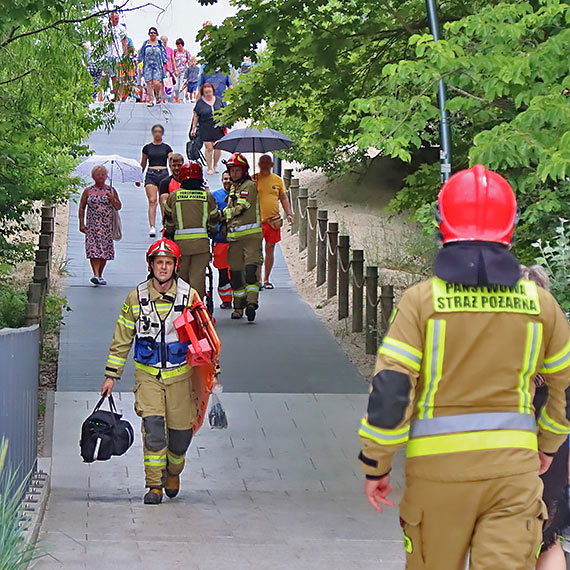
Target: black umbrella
[254,140]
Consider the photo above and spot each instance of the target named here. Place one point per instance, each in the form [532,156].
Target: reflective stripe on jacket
[242,212]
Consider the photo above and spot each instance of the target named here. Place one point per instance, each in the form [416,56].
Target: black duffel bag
[104,434]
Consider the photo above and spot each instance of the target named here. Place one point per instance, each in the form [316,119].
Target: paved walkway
[280,487]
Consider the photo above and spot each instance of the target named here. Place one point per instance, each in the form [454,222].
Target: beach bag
[117,226]
[104,434]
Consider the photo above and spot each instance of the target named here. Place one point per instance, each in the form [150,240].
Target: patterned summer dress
[153,58]
[99,234]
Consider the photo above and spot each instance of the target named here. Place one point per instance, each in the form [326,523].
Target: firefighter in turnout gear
[163,393]
[188,214]
[244,235]
[454,382]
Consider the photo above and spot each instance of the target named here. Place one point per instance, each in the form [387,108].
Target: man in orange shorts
[220,247]
[271,191]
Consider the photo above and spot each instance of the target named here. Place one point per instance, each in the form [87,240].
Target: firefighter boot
[153,496]
[237,314]
[172,485]
[250,312]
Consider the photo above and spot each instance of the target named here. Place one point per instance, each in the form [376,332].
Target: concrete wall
[19,371]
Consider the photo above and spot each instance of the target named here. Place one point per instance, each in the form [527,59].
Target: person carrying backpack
[163,393]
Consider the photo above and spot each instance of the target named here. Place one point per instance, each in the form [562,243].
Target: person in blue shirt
[220,81]
[220,246]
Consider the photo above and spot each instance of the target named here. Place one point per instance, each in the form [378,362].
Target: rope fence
[342,269]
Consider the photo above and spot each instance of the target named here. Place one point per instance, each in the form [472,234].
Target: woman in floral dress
[100,201]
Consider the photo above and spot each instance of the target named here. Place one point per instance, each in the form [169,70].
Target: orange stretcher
[195,326]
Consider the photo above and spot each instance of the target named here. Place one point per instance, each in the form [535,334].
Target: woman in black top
[154,154]
[204,110]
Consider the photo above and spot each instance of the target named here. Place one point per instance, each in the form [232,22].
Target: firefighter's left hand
[377,491]
[545,462]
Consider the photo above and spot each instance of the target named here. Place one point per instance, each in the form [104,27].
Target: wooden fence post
[343,275]
[357,289]
[311,234]
[303,199]
[332,259]
[386,308]
[371,310]
[294,192]
[322,221]
[287,175]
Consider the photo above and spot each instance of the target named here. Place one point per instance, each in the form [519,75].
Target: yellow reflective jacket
[242,212]
[125,331]
[187,215]
[468,357]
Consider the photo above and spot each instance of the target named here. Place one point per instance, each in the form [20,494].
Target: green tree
[507,75]
[45,116]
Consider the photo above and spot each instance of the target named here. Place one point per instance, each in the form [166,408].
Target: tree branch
[13,37]
[22,75]
[466,93]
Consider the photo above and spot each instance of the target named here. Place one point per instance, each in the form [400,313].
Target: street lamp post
[445,146]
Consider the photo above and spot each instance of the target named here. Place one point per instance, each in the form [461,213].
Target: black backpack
[104,434]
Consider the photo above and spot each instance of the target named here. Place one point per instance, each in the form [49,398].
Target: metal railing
[19,369]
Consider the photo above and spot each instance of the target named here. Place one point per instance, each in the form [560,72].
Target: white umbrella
[119,167]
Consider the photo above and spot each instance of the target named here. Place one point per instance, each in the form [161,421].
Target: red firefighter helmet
[477,204]
[237,159]
[190,171]
[163,247]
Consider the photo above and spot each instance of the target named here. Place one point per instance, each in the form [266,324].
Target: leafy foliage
[45,93]
[555,257]
[507,79]
[340,77]
[320,55]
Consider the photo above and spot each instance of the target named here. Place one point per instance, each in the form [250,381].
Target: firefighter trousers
[245,258]
[498,522]
[168,412]
[193,270]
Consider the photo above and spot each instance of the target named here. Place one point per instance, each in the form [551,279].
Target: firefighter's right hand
[377,491]
[545,462]
[107,386]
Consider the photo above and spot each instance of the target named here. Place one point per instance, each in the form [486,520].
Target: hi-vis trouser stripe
[559,361]
[531,351]
[383,436]
[404,353]
[548,424]
[433,366]
[252,288]
[155,460]
[239,293]
[175,459]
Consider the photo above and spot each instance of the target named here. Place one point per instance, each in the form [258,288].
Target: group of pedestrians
[156,73]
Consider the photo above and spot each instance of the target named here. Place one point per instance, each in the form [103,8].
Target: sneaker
[94,280]
[152,232]
[226,305]
[250,312]
[102,281]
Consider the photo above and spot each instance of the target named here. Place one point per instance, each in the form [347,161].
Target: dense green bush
[12,307]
